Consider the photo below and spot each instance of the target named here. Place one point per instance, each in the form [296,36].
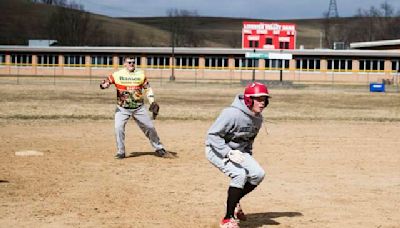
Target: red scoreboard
[268,35]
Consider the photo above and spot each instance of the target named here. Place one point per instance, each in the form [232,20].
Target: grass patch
[191,102]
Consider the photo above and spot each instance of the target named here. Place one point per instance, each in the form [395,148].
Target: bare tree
[181,26]
[52,2]
[70,25]
[374,24]
[366,25]
[387,9]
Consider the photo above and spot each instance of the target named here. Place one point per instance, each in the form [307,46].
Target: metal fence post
[161,75]
[195,78]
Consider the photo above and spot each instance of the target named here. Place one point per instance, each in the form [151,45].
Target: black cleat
[119,156]
[161,152]
[164,154]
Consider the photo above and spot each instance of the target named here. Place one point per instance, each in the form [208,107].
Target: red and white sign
[268,35]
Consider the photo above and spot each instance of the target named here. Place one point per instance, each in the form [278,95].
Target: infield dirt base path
[319,174]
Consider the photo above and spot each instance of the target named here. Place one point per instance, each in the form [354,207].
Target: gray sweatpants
[249,171]
[142,119]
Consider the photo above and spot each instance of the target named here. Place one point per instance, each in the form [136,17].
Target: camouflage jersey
[130,88]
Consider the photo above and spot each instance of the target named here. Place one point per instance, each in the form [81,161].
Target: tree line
[71,25]
[375,23]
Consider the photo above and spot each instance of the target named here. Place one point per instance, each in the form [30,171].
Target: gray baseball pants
[142,119]
[248,171]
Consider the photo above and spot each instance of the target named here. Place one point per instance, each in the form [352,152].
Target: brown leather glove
[104,84]
[154,108]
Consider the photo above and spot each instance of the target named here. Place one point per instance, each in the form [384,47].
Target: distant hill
[226,32]
[22,20]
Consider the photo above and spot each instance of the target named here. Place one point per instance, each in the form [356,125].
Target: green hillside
[22,20]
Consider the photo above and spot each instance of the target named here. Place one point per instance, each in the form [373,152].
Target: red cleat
[229,223]
[239,214]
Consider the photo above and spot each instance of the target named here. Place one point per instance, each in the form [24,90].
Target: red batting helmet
[254,89]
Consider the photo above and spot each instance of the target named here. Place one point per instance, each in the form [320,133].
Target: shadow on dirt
[261,219]
[170,154]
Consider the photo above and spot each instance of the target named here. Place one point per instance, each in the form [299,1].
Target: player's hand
[236,156]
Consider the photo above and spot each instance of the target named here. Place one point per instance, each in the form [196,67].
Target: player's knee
[258,176]
[239,179]
[119,127]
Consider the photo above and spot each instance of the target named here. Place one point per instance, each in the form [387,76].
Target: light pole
[254,67]
[172,77]
[280,70]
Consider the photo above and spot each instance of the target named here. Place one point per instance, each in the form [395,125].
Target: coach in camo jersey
[131,85]
[229,147]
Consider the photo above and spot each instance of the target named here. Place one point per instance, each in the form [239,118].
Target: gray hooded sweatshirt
[235,129]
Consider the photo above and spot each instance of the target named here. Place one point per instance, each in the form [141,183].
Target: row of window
[211,62]
[343,65]
[72,60]
[268,41]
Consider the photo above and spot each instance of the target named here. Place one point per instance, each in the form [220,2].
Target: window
[253,43]
[21,59]
[186,62]
[283,45]
[372,65]
[340,64]
[74,60]
[102,61]
[268,41]
[2,59]
[396,65]
[218,63]
[47,60]
[122,58]
[158,61]
[276,64]
[245,64]
[308,64]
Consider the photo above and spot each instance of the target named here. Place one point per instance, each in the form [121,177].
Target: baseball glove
[154,108]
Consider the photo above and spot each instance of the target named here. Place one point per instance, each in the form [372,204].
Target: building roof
[194,51]
[374,44]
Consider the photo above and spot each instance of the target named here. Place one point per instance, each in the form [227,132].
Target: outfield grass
[71,100]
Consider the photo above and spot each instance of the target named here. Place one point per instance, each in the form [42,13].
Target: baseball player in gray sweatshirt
[229,146]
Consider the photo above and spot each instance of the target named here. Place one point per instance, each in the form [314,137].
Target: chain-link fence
[287,78]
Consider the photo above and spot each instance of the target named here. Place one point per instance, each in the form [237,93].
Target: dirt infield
[332,160]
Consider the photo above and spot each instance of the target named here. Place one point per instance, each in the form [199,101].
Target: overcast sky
[260,9]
